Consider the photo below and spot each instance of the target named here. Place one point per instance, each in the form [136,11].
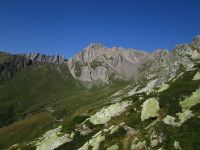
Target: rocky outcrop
[139,145]
[150,108]
[94,142]
[113,147]
[106,113]
[194,99]
[11,64]
[37,57]
[182,117]
[177,145]
[196,42]
[53,139]
[197,76]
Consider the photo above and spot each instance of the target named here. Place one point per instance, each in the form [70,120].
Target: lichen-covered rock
[106,113]
[53,139]
[116,128]
[170,120]
[185,115]
[113,147]
[192,100]
[139,146]
[177,145]
[196,76]
[182,117]
[150,108]
[149,86]
[156,138]
[163,87]
[85,130]
[94,142]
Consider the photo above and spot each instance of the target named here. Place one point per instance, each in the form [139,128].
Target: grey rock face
[56,59]
[11,64]
[196,42]
[97,62]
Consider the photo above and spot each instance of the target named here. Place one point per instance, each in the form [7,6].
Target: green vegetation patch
[181,88]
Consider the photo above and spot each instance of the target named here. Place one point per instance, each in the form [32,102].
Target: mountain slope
[147,101]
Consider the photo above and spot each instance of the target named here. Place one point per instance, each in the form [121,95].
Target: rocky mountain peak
[37,57]
[99,63]
[196,42]
[94,46]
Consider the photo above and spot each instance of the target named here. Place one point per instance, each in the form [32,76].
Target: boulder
[106,113]
[150,108]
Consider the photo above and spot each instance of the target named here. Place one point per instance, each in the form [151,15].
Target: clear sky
[67,26]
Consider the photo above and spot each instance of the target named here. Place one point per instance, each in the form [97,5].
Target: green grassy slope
[39,96]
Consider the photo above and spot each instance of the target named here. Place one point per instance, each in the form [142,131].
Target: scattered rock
[192,100]
[170,120]
[53,139]
[149,86]
[85,130]
[106,113]
[163,87]
[196,76]
[113,147]
[150,108]
[94,142]
[139,146]
[185,115]
[116,128]
[156,138]
[177,145]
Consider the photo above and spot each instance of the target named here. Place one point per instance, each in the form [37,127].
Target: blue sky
[67,26]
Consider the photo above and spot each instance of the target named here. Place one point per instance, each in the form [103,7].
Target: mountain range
[101,98]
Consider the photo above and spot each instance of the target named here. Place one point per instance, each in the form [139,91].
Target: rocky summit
[101,99]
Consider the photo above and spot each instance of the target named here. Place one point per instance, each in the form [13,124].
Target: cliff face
[37,57]
[97,62]
[11,64]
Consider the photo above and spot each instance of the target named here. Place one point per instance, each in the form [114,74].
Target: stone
[106,113]
[149,86]
[182,117]
[170,120]
[192,100]
[185,115]
[113,147]
[163,87]
[53,139]
[139,145]
[177,145]
[150,108]
[94,142]
[115,129]
[196,76]
[156,138]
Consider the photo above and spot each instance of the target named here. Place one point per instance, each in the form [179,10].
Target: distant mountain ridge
[99,64]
